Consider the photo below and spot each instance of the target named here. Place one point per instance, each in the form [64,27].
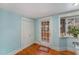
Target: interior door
[27,32]
[45,36]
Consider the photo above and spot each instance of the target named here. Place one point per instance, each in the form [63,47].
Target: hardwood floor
[34,50]
[67,52]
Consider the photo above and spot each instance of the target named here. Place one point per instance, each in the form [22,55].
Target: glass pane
[45,30]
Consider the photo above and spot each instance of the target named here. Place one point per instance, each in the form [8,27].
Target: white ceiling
[35,10]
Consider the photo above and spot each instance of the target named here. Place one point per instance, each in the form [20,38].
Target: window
[45,30]
[66,22]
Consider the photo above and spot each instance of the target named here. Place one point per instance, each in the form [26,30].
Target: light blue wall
[66,43]
[55,37]
[37,29]
[10,37]
[63,43]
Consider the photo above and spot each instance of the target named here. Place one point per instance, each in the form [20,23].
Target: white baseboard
[15,51]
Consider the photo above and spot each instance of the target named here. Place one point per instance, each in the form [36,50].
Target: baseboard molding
[15,51]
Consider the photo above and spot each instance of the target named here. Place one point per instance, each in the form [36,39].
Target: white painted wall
[27,31]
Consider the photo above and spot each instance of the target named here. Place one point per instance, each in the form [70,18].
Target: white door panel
[27,33]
